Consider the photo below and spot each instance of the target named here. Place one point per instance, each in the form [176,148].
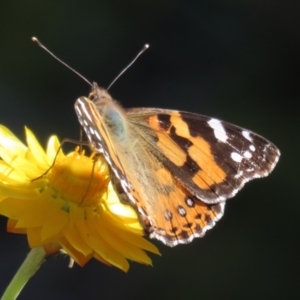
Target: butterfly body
[176,168]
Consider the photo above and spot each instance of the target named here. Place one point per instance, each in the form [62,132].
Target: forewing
[212,159]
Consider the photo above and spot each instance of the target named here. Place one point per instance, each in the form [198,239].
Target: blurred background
[233,60]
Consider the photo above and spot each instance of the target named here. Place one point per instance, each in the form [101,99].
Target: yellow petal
[79,257]
[56,220]
[52,149]
[74,238]
[98,244]
[35,147]
[34,237]
[10,146]
[35,215]
[13,208]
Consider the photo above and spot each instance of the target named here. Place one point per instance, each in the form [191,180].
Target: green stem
[29,267]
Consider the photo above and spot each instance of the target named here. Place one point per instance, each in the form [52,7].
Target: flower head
[67,202]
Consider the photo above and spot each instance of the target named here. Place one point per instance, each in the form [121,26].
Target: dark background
[234,60]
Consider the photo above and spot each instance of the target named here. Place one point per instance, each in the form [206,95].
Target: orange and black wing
[211,159]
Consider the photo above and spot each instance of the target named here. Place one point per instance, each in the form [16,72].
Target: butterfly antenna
[146,46]
[34,39]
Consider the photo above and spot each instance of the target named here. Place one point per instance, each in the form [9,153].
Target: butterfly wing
[212,159]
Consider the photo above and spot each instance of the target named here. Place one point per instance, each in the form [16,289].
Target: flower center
[80,179]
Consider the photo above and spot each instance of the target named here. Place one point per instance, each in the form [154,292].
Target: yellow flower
[69,205]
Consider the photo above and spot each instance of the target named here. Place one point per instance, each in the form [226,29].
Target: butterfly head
[99,95]
[102,110]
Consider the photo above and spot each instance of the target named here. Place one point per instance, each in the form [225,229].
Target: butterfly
[175,168]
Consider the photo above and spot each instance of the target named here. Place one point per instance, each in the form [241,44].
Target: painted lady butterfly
[176,168]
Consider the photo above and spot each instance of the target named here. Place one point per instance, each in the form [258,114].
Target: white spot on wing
[252,148]
[246,135]
[236,157]
[84,123]
[84,110]
[239,174]
[91,130]
[190,202]
[98,136]
[219,130]
[181,211]
[247,154]
[78,111]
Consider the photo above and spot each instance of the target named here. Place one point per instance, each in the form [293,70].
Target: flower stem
[28,268]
